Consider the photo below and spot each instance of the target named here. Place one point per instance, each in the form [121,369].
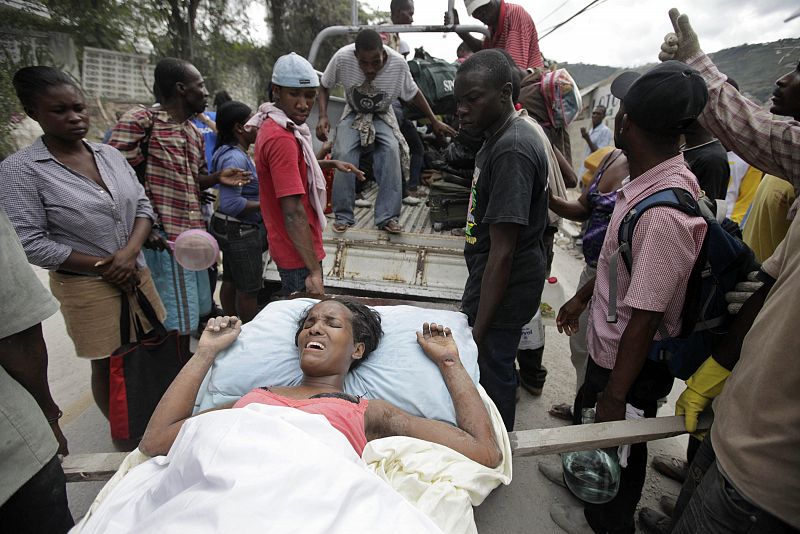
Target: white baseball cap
[472,5]
[292,70]
[403,48]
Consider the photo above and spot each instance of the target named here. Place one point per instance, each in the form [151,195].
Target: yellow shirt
[766,226]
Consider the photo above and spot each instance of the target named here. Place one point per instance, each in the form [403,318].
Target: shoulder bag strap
[124,320]
[150,313]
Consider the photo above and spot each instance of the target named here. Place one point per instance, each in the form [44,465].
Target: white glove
[682,43]
[743,291]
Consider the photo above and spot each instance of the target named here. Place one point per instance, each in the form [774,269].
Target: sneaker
[570,519]
[393,227]
[670,467]
[340,227]
[553,473]
[654,522]
[533,389]
[412,201]
[667,503]
[363,203]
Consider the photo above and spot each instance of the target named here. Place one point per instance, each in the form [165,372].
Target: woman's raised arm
[177,404]
[474,436]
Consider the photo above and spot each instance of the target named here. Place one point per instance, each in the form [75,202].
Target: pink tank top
[345,416]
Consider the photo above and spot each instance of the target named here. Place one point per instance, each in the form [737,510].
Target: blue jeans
[294,280]
[498,375]
[709,504]
[386,165]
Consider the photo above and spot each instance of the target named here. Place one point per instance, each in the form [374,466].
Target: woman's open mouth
[314,345]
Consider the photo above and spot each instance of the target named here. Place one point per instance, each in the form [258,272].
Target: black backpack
[436,79]
[724,260]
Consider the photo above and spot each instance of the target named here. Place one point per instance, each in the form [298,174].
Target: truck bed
[421,262]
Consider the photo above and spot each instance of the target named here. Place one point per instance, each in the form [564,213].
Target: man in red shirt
[292,188]
[511,27]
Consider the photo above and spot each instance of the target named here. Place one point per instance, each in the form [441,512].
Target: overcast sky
[619,33]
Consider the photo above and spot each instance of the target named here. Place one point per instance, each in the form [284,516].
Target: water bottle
[592,476]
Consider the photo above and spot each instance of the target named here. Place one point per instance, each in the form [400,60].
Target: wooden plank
[95,466]
[102,466]
[597,435]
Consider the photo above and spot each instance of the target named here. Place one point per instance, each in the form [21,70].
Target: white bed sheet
[256,469]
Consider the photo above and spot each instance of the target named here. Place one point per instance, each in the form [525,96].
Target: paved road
[521,507]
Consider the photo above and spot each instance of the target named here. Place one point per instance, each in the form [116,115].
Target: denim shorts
[242,247]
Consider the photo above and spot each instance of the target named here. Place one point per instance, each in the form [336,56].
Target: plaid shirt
[666,243]
[175,160]
[516,34]
[747,129]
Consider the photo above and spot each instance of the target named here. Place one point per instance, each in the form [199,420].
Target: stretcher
[382,457]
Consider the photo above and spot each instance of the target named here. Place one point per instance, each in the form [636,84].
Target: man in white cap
[291,183]
[511,28]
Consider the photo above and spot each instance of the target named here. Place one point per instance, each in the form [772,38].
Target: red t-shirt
[282,172]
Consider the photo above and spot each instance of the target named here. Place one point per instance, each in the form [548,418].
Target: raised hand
[438,344]
[219,333]
[234,177]
[682,43]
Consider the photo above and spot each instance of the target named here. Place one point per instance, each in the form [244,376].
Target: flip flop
[561,411]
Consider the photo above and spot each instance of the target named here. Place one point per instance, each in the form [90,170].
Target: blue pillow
[397,371]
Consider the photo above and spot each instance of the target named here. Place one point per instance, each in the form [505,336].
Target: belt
[228,218]
[70,273]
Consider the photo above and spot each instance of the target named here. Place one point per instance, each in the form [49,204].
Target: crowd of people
[99,218]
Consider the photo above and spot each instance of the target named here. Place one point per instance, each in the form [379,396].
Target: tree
[294,24]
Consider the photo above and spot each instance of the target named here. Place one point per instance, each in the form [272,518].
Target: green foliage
[295,23]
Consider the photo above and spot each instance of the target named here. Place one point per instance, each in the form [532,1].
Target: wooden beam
[95,466]
[597,435]
[102,466]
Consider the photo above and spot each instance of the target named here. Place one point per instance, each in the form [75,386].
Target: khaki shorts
[91,309]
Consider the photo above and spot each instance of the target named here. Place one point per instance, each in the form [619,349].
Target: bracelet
[55,419]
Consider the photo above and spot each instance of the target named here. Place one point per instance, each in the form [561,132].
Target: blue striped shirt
[56,210]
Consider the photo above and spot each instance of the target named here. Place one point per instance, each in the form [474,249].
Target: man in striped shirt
[656,108]
[165,140]
[511,28]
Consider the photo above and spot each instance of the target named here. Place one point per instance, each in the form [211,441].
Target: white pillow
[397,371]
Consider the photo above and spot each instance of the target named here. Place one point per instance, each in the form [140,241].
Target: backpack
[723,261]
[562,97]
[436,79]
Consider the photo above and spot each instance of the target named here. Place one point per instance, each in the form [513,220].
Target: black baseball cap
[668,98]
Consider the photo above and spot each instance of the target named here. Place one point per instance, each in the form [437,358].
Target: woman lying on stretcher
[334,336]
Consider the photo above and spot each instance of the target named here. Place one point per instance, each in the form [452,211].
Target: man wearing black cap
[656,109]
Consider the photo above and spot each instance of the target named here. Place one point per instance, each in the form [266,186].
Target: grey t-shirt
[27,442]
[25,300]
[509,186]
[392,82]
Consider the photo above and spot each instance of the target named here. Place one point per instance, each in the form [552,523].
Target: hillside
[755,67]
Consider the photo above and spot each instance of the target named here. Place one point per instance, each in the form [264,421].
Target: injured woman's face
[325,340]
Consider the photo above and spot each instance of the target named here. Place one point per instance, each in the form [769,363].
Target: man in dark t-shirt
[505,223]
[708,160]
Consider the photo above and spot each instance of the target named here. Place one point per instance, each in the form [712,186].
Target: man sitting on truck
[505,223]
[373,76]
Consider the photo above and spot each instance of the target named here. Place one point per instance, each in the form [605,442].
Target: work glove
[701,388]
[682,43]
[743,291]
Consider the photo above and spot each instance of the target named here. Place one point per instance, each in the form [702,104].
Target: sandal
[340,227]
[561,411]
[393,227]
